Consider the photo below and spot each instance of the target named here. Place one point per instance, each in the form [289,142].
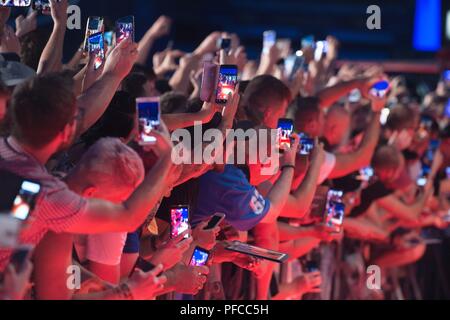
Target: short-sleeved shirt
[104,248]
[57,208]
[230,192]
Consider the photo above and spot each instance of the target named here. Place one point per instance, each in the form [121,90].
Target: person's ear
[89,191]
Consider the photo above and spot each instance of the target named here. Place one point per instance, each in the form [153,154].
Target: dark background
[345,19]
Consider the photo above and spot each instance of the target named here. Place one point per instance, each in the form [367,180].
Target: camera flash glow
[299,53]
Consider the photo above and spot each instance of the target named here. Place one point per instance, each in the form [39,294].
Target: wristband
[287,166]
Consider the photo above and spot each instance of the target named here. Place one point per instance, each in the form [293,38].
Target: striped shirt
[57,208]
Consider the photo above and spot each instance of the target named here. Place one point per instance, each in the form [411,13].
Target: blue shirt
[230,192]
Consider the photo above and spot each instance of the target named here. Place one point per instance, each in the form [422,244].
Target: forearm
[96,99]
[279,194]
[185,120]
[299,247]
[348,163]
[328,96]
[52,55]
[180,80]
[304,194]
[78,79]
[145,46]
[288,232]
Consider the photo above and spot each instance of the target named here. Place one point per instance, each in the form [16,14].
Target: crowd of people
[106,202]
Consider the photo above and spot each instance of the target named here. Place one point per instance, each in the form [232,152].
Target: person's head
[388,164]
[256,150]
[138,85]
[401,118]
[309,118]
[118,121]
[43,112]
[337,122]
[109,170]
[265,100]
[173,102]
[32,45]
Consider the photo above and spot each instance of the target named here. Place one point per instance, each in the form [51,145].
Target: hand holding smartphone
[94,26]
[96,46]
[285,131]
[125,29]
[215,221]
[199,258]
[228,78]
[335,210]
[380,89]
[179,220]
[149,118]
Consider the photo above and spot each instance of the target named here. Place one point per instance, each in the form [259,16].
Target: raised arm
[51,58]
[102,216]
[159,29]
[350,162]
[96,99]
[299,201]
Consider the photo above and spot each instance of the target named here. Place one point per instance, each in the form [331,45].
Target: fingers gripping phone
[149,118]
[285,130]
[228,78]
[209,81]
[335,210]
[215,221]
[179,220]
[199,257]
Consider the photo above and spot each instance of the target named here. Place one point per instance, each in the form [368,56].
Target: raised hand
[25,25]
[121,59]
[145,286]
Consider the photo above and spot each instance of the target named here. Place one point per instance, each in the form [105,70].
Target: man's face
[337,128]
[70,133]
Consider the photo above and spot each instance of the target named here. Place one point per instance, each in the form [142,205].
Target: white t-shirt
[105,248]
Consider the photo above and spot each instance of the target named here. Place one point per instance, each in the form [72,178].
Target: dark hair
[387,157]
[261,94]
[32,44]
[307,110]
[41,108]
[134,84]
[162,86]
[399,117]
[118,121]
[145,70]
[173,102]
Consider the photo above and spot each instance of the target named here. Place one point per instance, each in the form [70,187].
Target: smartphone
[109,38]
[96,45]
[215,221]
[447,109]
[225,44]
[321,48]
[19,257]
[179,220]
[306,146]
[384,116]
[446,76]
[149,119]
[209,80]
[258,252]
[41,6]
[365,174]
[17,195]
[269,40]
[292,64]
[94,26]
[447,172]
[9,231]
[284,45]
[380,89]
[125,29]
[308,41]
[355,96]
[228,78]
[15,3]
[199,257]
[335,210]
[285,130]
